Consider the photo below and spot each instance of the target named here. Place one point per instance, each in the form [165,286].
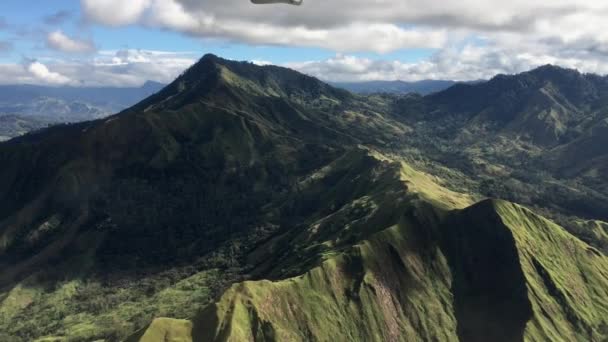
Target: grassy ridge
[389,288]
[490,271]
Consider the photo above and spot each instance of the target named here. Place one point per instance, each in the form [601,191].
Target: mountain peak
[550,67]
[543,73]
[213,74]
[210,57]
[550,70]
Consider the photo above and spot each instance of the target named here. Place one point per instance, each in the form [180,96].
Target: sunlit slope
[343,254]
[567,280]
[383,289]
[493,271]
[166,330]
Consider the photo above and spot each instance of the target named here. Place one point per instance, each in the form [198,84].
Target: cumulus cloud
[114,12]
[363,25]
[460,64]
[131,67]
[242,22]
[470,39]
[59,41]
[42,73]
[121,68]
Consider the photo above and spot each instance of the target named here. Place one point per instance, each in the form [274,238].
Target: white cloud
[570,32]
[119,68]
[468,63]
[360,25]
[114,12]
[471,39]
[356,36]
[252,24]
[131,67]
[59,41]
[42,73]
[260,62]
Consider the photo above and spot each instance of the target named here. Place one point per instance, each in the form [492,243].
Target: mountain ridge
[423,87]
[249,316]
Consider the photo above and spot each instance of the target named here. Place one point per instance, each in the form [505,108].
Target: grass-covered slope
[166,330]
[560,291]
[492,272]
[567,280]
[374,291]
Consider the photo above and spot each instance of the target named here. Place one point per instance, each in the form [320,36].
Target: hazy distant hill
[15,125]
[25,107]
[255,203]
[424,87]
[548,105]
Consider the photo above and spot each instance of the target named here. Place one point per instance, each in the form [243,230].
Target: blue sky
[123,43]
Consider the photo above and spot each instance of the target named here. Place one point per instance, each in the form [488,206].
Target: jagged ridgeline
[249,203]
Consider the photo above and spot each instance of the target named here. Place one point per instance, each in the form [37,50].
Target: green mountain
[537,138]
[547,106]
[428,277]
[255,203]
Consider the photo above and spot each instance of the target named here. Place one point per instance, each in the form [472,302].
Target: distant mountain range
[255,203]
[559,110]
[424,87]
[27,107]
[24,108]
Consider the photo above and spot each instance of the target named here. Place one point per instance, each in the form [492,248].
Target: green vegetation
[567,279]
[86,310]
[437,281]
[166,329]
[255,203]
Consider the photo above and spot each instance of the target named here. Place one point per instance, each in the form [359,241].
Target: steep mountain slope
[429,277]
